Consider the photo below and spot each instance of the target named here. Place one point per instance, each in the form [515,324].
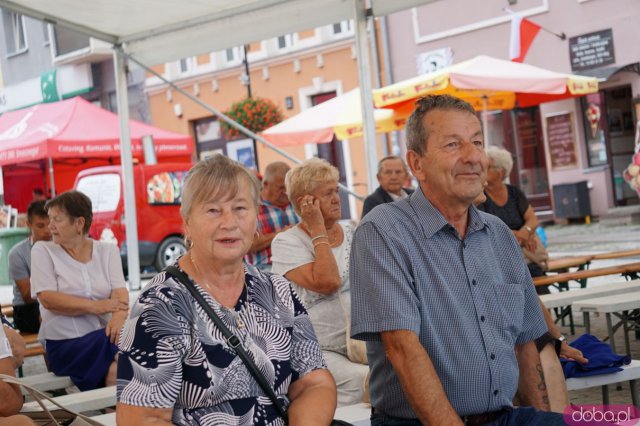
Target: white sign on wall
[434,60]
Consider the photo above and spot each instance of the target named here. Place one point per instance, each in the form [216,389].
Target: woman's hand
[107,306]
[311,215]
[522,236]
[115,325]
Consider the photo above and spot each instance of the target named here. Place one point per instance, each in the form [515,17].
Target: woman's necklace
[231,311]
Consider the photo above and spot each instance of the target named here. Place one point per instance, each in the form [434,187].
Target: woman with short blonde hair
[177,367]
[314,255]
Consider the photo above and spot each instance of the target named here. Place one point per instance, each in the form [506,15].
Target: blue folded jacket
[601,358]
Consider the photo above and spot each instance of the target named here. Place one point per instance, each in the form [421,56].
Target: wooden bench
[47,382]
[96,399]
[616,254]
[629,373]
[628,269]
[620,305]
[562,264]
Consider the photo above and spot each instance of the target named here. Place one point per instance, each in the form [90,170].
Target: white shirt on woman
[53,269]
[292,249]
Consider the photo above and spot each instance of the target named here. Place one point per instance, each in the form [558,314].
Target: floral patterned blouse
[173,356]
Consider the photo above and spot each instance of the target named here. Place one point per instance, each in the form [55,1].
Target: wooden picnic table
[629,269]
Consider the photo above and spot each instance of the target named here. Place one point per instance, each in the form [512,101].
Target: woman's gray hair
[216,178]
[501,158]
[306,177]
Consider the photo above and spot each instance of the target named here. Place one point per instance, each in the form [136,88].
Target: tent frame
[137,43]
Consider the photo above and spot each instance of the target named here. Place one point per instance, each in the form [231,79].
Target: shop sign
[591,50]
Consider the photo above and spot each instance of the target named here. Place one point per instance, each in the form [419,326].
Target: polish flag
[523,31]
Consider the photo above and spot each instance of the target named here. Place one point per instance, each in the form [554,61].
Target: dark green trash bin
[9,237]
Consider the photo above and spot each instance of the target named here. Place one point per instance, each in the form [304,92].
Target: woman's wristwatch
[528,229]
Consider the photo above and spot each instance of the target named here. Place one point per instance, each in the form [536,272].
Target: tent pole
[366,95]
[52,178]
[232,123]
[126,155]
[485,121]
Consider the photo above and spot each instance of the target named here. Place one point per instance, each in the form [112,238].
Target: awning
[604,74]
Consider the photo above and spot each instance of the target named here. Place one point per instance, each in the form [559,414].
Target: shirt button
[473,282]
[495,392]
[493,356]
[482,318]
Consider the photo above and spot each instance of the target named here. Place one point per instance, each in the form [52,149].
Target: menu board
[562,143]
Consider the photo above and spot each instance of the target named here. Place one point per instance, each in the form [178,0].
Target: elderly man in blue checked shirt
[441,294]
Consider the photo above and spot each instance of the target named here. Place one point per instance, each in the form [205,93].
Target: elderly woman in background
[83,299]
[176,366]
[314,255]
[509,203]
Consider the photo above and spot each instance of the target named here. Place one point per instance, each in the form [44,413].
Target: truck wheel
[169,251]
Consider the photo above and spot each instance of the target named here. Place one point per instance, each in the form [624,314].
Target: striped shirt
[469,301]
[271,219]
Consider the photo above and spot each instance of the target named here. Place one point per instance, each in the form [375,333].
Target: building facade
[43,63]
[560,147]
[295,71]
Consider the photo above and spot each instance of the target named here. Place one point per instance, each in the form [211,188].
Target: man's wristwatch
[559,341]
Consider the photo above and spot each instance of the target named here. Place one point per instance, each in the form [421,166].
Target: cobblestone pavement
[564,240]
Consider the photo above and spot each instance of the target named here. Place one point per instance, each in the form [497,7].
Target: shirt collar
[267,203]
[432,220]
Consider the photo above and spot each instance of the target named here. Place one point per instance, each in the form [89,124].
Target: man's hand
[18,347]
[572,353]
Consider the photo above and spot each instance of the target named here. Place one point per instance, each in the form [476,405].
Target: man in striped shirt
[276,214]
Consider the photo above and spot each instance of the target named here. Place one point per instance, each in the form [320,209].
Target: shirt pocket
[510,298]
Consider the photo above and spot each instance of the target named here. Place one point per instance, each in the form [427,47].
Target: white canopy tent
[159,31]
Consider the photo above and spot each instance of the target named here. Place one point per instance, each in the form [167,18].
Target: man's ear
[413,160]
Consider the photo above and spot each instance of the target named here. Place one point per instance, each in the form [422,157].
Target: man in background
[26,311]
[392,174]
[276,214]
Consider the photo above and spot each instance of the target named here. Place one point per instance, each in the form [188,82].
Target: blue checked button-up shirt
[469,301]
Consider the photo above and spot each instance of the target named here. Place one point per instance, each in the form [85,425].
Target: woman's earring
[188,242]
[257,233]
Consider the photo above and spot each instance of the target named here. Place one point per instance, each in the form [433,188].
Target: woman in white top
[83,299]
[314,255]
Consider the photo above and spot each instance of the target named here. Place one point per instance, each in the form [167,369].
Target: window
[285,41]
[231,54]
[185,65]
[45,33]
[15,36]
[343,27]
[593,112]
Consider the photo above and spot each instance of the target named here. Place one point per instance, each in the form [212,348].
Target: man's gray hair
[417,132]
[277,168]
[501,158]
[391,157]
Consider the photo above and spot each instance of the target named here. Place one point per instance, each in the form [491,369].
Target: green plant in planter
[256,114]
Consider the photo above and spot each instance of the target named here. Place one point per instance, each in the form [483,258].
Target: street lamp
[246,80]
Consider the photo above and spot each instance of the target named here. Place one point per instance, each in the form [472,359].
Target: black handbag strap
[232,339]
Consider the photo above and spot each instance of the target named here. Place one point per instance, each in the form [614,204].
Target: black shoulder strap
[232,339]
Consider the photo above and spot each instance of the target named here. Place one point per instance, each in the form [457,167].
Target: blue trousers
[519,416]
